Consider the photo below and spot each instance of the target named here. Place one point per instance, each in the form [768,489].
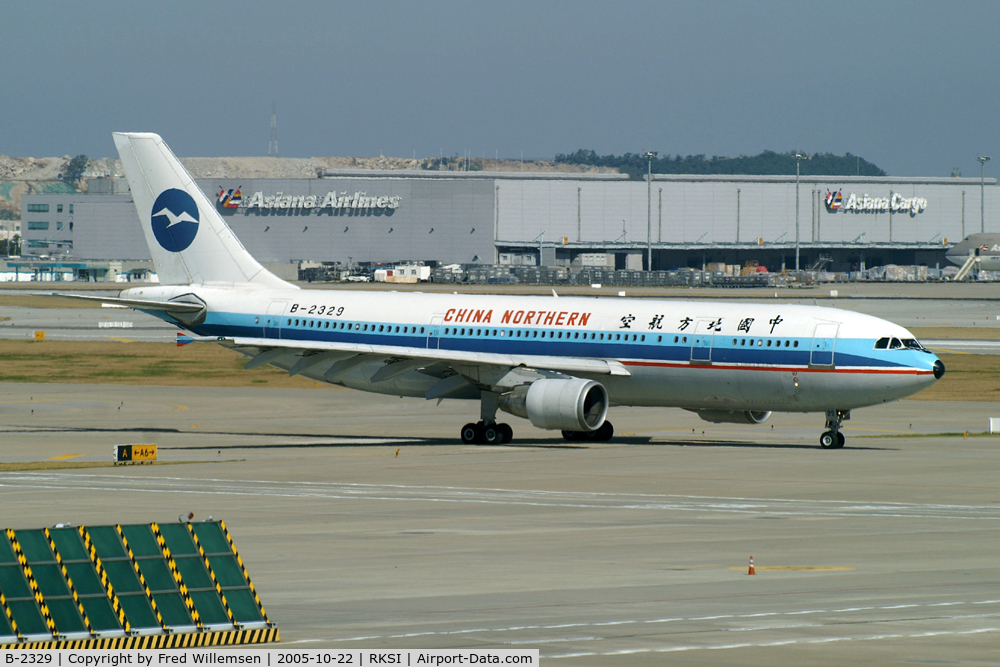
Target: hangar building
[553,218]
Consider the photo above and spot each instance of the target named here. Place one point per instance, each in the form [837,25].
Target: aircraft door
[701,341]
[272,321]
[434,333]
[823,343]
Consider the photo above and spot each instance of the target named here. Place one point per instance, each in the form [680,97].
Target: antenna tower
[272,145]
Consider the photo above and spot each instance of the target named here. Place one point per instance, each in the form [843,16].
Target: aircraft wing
[269,349]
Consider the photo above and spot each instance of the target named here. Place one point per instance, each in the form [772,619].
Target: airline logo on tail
[175,220]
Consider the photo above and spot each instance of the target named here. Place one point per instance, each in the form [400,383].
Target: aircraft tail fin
[189,241]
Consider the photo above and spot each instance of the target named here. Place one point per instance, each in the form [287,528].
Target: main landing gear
[481,433]
[603,434]
[833,438]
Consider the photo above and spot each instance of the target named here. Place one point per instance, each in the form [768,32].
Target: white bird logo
[174,218]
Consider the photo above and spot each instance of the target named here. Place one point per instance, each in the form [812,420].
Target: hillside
[29,175]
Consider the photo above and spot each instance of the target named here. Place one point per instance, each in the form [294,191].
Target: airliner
[984,247]
[560,362]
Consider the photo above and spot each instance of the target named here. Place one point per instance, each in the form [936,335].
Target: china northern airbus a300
[558,361]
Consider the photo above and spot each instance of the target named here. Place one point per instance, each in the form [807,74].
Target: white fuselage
[690,354]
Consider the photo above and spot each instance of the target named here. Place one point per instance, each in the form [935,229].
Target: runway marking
[63,457]
[120,340]
[690,619]
[784,642]
[494,496]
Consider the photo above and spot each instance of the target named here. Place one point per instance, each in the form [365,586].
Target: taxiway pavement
[366,524]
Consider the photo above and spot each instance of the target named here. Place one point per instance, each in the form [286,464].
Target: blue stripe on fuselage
[536,341]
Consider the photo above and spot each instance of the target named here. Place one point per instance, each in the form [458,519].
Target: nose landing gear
[833,438]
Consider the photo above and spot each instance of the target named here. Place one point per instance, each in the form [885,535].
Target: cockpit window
[897,344]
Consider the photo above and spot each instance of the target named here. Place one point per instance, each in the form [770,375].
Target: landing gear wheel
[507,432]
[605,432]
[574,436]
[832,438]
[470,434]
[493,434]
[474,434]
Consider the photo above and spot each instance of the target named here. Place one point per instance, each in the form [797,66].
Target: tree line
[767,163]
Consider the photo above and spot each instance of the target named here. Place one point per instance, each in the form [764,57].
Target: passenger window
[795,343]
[769,343]
[675,339]
[882,344]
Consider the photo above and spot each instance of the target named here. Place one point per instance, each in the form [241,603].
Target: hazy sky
[911,86]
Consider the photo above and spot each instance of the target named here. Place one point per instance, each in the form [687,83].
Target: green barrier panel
[52,585]
[162,587]
[229,573]
[74,587]
[17,594]
[71,553]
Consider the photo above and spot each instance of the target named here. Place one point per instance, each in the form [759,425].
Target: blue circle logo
[175,219]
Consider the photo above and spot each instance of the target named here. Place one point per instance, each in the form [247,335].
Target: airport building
[552,219]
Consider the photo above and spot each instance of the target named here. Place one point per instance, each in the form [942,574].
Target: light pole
[983,159]
[649,155]
[799,157]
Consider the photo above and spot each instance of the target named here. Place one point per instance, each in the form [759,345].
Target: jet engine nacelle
[734,416]
[572,404]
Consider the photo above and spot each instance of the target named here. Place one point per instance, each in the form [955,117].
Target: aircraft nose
[938,369]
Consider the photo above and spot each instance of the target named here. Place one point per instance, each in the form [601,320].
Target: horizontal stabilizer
[139,304]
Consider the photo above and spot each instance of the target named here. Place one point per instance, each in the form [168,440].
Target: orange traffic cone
[751,566]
